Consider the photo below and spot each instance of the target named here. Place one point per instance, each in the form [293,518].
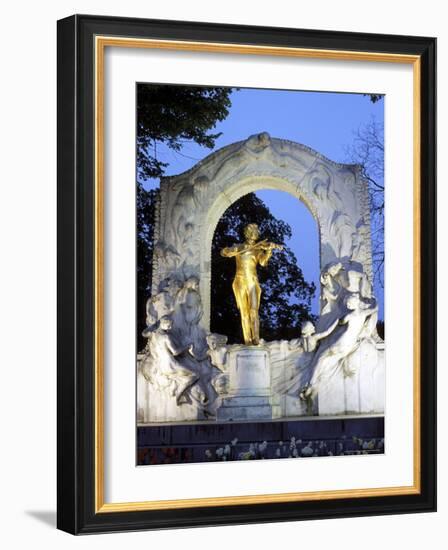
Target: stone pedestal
[250,394]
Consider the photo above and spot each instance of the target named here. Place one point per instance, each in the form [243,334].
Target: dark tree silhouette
[168,116]
[367,150]
[171,115]
[374,97]
[146,201]
[286,296]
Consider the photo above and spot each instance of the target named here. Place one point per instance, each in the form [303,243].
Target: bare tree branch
[367,150]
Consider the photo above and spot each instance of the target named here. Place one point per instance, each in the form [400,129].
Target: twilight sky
[325,122]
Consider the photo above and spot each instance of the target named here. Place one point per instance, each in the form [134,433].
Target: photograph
[259,273]
[246,262]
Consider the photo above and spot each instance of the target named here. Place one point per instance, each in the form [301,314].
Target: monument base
[249,408]
[250,394]
[199,442]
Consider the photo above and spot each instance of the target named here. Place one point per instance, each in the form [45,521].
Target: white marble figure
[166,255]
[322,187]
[187,203]
[162,303]
[175,361]
[356,325]
[217,350]
[297,361]
[331,298]
[188,303]
[341,231]
[353,279]
[340,279]
[164,370]
[310,338]
[351,276]
[331,291]
[215,362]
[358,245]
[207,377]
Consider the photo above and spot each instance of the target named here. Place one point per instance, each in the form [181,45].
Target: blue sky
[323,121]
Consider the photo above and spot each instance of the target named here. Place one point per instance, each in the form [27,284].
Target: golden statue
[245,285]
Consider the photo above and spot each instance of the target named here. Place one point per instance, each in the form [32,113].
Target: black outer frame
[75,403]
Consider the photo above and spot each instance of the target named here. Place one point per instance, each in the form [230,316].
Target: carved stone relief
[183,373]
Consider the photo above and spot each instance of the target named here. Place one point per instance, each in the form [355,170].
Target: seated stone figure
[164,370]
[353,328]
[161,304]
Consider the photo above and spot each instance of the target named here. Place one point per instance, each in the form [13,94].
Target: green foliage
[171,115]
[286,296]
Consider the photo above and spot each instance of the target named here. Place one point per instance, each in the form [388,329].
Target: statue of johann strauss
[247,291]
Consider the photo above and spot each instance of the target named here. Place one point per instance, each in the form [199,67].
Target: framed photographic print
[246,270]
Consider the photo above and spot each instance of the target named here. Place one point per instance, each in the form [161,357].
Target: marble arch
[237,190]
[191,204]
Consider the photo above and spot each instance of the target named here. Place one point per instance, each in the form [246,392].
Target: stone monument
[335,368]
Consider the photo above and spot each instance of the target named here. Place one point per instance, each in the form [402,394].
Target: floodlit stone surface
[337,367]
[251,394]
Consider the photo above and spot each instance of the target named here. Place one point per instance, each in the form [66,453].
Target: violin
[263,245]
